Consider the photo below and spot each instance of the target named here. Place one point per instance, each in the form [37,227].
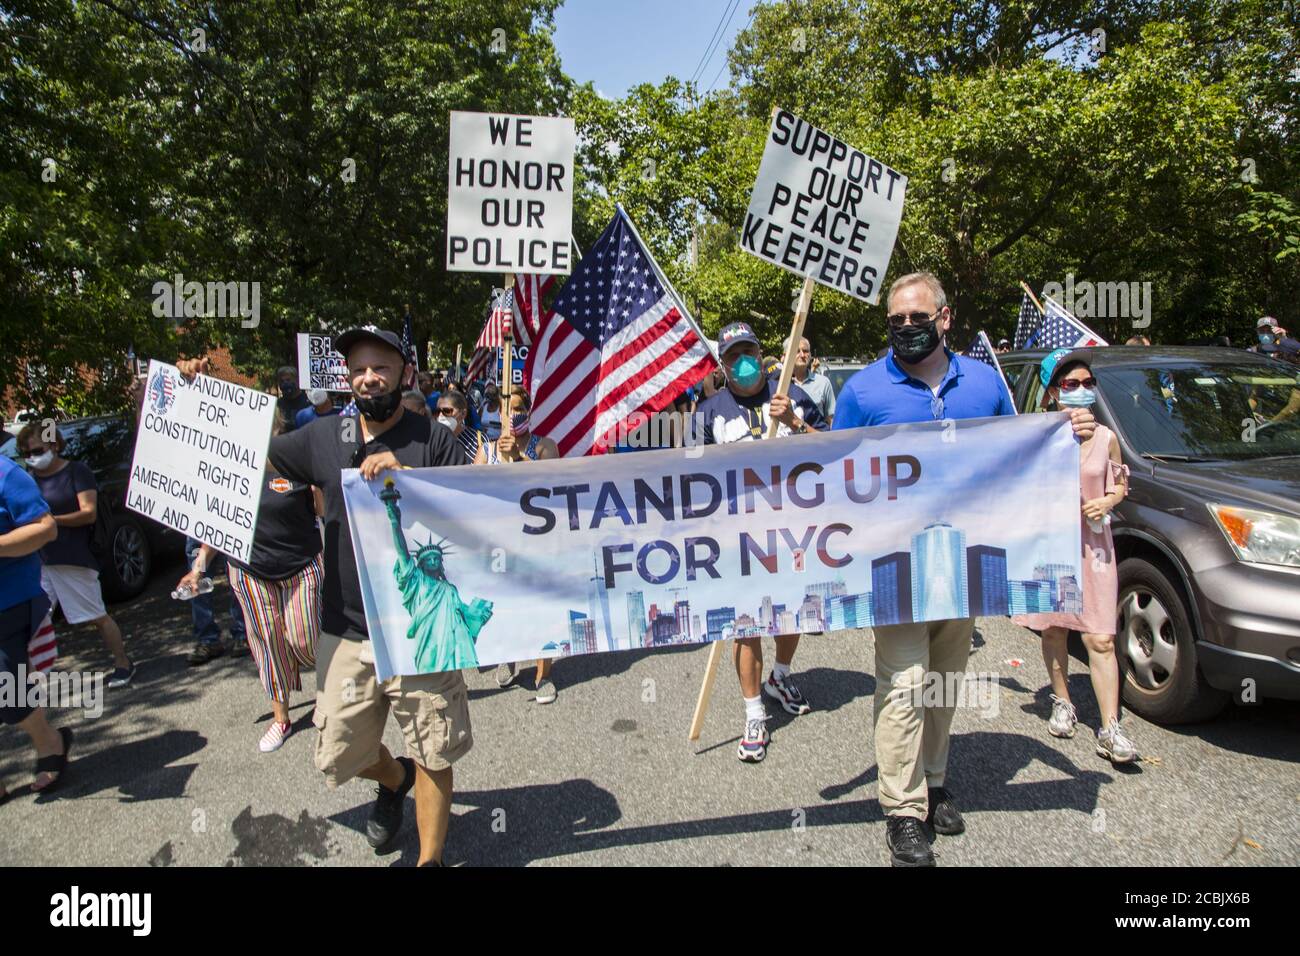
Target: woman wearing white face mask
[1103,483]
[453,413]
[70,574]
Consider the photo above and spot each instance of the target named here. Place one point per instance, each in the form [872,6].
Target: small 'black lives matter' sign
[823,209]
[510,193]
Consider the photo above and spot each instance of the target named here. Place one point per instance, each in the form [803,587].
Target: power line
[706,49]
[724,59]
[717,39]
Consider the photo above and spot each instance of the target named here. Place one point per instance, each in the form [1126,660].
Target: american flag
[1060,330]
[528,308]
[1026,322]
[617,342]
[482,363]
[981,350]
[408,346]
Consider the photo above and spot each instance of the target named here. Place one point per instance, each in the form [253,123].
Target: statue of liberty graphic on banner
[444,628]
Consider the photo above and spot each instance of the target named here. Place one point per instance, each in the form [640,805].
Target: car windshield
[838,376]
[1224,410]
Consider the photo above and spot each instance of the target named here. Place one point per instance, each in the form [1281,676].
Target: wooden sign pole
[782,388]
[507,360]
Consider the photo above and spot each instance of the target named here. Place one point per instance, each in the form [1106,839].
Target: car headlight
[1262,537]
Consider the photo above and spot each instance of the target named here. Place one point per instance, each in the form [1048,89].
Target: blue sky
[617,44]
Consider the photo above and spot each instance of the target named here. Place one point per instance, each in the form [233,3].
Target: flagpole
[1032,298]
[663,280]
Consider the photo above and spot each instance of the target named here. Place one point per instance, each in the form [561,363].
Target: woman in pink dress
[1103,482]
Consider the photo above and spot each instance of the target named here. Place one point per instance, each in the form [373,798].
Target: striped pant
[282,619]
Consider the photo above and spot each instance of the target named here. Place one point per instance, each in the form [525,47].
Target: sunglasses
[1070,384]
[446,410]
[900,319]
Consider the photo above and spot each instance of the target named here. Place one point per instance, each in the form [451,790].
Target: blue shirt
[308,415]
[20,504]
[883,394]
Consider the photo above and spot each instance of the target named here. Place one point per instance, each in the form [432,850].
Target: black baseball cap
[368,333]
[734,334]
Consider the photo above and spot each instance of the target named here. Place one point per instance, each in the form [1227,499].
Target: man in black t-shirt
[741,412]
[352,705]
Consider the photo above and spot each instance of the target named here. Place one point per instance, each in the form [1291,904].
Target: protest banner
[199,457]
[836,530]
[823,210]
[319,365]
[510,193]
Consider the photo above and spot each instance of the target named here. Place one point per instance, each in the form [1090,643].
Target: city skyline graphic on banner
[941,576]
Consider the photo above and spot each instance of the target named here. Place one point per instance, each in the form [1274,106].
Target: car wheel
[1156,649]
[128,562]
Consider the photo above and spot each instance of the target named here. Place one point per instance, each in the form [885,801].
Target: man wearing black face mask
[352,706]
[921,380]
[292,398]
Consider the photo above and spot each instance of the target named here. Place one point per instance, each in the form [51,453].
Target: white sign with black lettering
[199,455]
[319,366]
[823,209]
[510,193]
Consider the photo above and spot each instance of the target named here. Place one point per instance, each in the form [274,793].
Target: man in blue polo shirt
[25,527]
[920,380]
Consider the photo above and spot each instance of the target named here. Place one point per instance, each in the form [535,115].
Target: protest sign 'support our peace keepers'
[319,366]
[199,455]
[823,209]
[856,528]
[510,193]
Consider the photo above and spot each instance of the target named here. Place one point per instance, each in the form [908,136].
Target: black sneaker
[239,648]
[203,653]
[386,815]
[907,842]
[943,816]
[121,676]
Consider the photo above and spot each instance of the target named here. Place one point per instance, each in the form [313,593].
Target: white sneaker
[1114,746]
[753,743]
[274,737]
[1063,719]
[785,691]
[505,675]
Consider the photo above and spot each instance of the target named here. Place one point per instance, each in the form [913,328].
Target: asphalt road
[170,773]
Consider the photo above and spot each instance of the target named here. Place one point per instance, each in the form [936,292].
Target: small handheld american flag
[1060,330]
[1026,322]
[982,351]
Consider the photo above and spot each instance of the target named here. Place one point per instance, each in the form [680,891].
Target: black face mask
[912,343]
[289,391]
[379,408]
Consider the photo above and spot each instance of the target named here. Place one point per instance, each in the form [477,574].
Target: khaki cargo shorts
[352,708]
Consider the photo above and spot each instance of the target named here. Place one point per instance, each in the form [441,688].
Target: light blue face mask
[1265,338]
[746,371]
[1078,398]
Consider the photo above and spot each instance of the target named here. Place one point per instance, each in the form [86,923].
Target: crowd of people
[297,601]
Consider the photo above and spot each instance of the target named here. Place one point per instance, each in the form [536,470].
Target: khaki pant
[352,707]
[912,740]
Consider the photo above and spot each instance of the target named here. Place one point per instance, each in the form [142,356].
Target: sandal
[54,763]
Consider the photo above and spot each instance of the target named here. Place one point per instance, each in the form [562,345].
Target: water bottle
[185,592]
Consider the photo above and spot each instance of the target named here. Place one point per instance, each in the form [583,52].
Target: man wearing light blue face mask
[741,412]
